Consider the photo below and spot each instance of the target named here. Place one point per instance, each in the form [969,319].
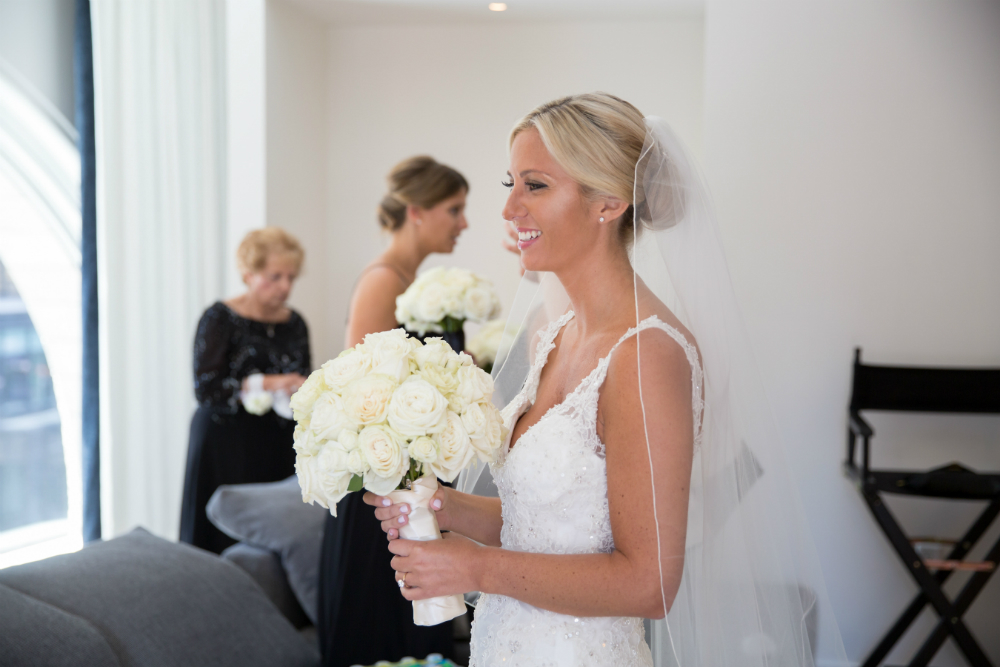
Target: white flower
[357,464]
[328,417]
[391,353]
[334,474]
[307,470]
[302,400]
[387,460]
[366,400]
[478,304]
[487,342]
[424,449]
[351,365]
[474,384]
[348,440]
[474,420]
[487,441]
[431,302]
[304,442]
[433,353]
[442,379]
[456,450]
[417,408]
[257,402]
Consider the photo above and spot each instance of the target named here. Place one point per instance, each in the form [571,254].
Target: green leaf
[357,483]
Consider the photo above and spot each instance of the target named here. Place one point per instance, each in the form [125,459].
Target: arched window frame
[40,228]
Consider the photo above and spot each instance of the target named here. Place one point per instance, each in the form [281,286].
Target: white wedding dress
[554,490]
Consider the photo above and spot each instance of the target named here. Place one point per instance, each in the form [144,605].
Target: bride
[610,509]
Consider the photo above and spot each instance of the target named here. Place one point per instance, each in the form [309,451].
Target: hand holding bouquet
[392,414]
[441,300]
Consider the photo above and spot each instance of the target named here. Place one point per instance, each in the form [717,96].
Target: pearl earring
[601,219]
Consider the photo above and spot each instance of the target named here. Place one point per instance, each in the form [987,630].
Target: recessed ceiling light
[498,6]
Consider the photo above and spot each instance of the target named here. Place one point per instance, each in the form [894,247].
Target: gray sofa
[138,600]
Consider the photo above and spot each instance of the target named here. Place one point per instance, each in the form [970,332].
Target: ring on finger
[402,580]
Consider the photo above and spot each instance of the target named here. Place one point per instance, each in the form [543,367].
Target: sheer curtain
[160,133]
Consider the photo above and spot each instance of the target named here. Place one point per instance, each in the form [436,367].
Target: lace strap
[546,343]
[597,377]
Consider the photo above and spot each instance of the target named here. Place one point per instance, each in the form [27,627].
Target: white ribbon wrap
[423,526]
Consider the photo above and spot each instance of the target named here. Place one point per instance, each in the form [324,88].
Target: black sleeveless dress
[228,445]
[362,616]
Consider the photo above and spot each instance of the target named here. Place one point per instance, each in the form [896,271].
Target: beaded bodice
[554,494]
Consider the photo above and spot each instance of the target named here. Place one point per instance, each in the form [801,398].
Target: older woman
[251,345]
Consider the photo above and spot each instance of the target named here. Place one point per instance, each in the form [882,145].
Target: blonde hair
[597,138]
[259,244]
[419,181]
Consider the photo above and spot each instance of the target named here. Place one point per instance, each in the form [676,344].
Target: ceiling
[436,11]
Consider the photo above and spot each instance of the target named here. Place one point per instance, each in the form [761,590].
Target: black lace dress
[228,445]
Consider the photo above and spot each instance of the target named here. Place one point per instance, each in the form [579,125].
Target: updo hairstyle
[419,181]
[260,244]
[597,138]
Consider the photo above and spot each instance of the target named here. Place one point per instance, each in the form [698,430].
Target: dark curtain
[83,73]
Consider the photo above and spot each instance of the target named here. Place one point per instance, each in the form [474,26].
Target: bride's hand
[393,517]
[437,567]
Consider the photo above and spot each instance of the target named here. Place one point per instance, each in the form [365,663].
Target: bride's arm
[625,582]
[475,517]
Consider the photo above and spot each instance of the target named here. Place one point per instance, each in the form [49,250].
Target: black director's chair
[898,388]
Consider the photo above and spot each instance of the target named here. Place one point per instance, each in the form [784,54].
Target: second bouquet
[392,415]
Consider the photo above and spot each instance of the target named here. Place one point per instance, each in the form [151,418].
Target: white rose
[391,353]
[348,440]
[443,380]
[430,303]
[433,353]
[424,449]
[366,400]
[257,402]
[487,341]
[417,408]
[307,470]
[334,475]
[304,442]
[303,399]
[460,279]
[455,447]
[478,305]
[387,460]
[474,384]
[488,442]
[328,417]
[474,420]
[351,365]
[357,464]
[459,360]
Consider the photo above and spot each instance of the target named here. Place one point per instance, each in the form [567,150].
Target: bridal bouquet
[391,415]
[485,344]
[441,300]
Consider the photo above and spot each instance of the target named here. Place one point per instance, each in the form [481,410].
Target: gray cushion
[274,517]
[265,567]
[158,603]
[34,634]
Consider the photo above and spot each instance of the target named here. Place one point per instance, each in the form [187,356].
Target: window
[40,330]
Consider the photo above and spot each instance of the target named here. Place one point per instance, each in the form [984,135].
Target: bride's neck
[597,287]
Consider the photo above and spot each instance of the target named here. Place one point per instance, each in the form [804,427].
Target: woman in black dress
[362,616]
[250,342]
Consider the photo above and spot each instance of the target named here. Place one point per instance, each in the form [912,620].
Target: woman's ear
[413,212]
[610,209]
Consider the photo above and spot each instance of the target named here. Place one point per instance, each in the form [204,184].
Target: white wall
[454,91]
[854,152]
[297,157]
